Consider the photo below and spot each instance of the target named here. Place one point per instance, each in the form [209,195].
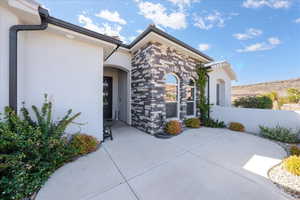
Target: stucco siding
[253,118]
[215,75]
[69,71]
[119,59]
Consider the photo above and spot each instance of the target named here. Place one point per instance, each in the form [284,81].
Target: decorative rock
[285,180]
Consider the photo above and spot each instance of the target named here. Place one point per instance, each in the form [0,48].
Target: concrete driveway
[201,163]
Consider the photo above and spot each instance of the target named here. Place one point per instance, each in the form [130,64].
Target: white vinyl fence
[252,118]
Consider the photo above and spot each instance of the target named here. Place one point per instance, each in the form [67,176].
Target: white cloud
[204,47]
[214,19]
[139,31]
[271,43]
[249,34]
[269,3]
[297,20]
[157,13]
[104,28]
[183,3]
[88,23]
[111,16]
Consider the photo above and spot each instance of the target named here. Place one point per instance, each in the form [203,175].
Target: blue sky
[260,38]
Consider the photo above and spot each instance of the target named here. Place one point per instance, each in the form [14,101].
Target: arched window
[220,90]
[191,98]
[172,95]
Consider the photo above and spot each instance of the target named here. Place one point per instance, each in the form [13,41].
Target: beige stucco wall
[253,118]
[69,71]
[121,60]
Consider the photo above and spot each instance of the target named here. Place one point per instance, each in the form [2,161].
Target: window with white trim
[172,95]
[191,98]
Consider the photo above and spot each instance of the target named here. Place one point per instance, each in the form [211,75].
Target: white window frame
[178,96]
[194,101]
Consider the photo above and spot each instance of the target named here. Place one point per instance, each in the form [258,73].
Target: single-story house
[142,84]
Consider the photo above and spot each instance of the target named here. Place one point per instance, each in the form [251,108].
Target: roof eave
[152,28]
[224,65]
[84,31]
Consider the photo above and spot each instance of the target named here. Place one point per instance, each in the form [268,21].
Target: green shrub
[235,126]
[279,134]
[84,144]
[262,102]
[214,123]
[31,150]
[173,127]
[295,150]
[292,165]
[192,123]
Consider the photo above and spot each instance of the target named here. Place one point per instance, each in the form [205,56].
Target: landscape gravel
[286,181]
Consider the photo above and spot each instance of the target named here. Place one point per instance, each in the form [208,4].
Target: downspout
[13,54]
[113,51]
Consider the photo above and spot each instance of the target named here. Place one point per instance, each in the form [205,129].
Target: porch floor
[199,164]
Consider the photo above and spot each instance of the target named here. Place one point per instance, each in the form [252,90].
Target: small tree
[293,95]
[276,100]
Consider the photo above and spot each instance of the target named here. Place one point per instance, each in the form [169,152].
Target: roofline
[224,65]
[84,31]
[152,28]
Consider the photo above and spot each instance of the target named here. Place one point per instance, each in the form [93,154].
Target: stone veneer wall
[149,66]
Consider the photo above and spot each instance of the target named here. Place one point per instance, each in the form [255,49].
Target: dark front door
[107,97]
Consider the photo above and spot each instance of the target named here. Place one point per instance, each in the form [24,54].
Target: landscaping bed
[32,148]
[286,181]
[288,139]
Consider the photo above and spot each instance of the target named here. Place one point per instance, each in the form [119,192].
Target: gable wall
[149,66]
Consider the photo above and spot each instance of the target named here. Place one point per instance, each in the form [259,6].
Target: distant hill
[261,88]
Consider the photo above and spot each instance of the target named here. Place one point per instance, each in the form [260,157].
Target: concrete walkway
[212,164]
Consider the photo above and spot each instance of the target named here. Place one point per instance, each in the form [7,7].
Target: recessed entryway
[107,97]
[115,94]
